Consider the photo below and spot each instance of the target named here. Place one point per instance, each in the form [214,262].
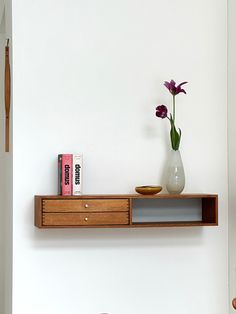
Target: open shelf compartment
[175,211]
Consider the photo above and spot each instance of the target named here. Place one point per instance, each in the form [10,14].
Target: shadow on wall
[115,238]
[74,238]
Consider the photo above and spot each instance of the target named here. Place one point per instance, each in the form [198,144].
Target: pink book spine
[66,174]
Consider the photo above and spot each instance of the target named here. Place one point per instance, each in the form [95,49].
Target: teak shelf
[126,211]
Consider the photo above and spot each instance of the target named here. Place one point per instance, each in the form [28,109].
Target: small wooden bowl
[148,189]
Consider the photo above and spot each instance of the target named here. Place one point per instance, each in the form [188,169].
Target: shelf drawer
[85,219]
[85,205]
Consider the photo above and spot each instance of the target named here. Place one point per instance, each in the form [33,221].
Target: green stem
[174,108]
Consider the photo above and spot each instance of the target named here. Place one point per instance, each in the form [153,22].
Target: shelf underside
[142,225]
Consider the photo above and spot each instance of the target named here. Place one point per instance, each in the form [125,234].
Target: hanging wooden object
[7,97]
[234,303]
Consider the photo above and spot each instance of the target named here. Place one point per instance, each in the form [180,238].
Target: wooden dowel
[7,97]
[7,135]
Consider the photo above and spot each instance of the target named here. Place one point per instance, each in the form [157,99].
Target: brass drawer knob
[86,206]
[85,219]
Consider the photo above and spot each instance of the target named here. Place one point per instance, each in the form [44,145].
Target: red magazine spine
[67,174]
[59,172]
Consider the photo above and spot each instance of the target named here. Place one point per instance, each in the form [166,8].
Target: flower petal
[182,84]
[167,84]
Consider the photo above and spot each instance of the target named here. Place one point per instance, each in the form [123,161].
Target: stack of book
[70,174]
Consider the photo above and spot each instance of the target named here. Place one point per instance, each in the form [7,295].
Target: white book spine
[77,174]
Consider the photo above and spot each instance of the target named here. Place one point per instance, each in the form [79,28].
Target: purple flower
[161,111]
[175,90]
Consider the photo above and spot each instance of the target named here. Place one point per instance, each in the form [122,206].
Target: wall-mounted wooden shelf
[126,211]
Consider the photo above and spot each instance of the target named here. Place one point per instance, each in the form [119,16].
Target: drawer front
[85,205]
[85,219]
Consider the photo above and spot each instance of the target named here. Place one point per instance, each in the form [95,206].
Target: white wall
[87,77]
[232,148]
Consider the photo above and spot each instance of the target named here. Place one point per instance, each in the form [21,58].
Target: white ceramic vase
[175,177]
